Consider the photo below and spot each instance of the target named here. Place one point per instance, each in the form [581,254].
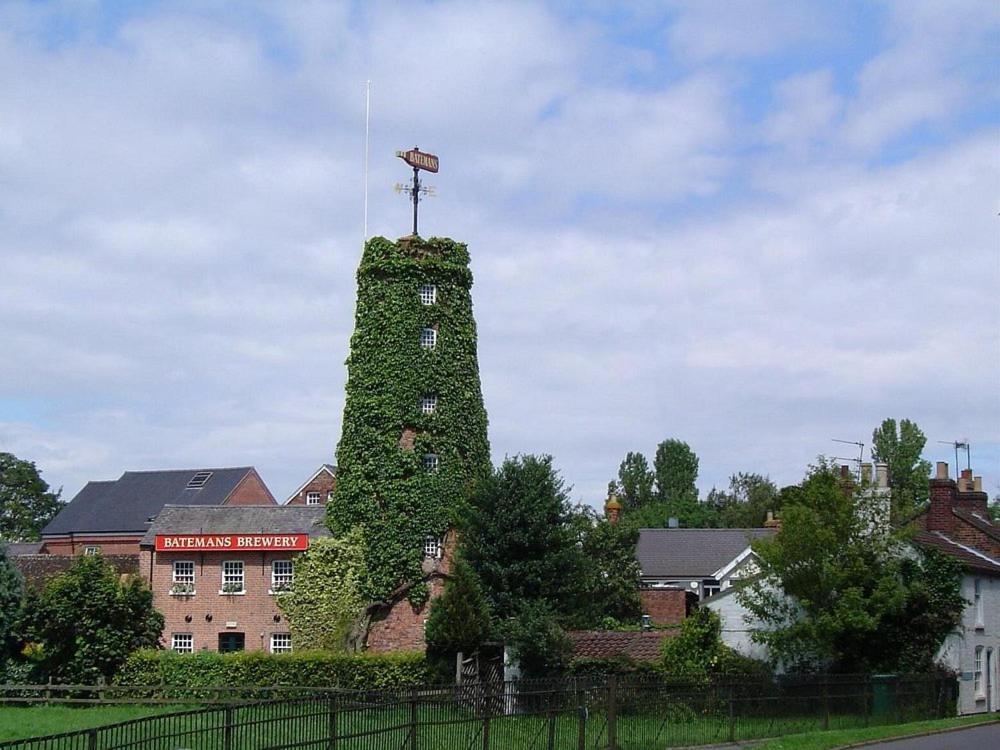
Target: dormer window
[428,404]
[428,338]
[312,498]
[428,294]
[430,462]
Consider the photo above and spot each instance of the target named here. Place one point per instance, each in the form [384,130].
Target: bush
[623,666]
[254,669]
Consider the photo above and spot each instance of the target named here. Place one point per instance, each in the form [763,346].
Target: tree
[11,592]
[611,571]
[746,504]
[414,429]
[676,470]
[324,605]
[520,539]
[537,641]
[697,652]
[460,617]
[836,593]
[635,482]
[26,504]
[85,622]
[901,449]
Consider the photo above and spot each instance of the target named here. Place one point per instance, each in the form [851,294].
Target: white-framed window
[710,587]
[312,498]
[430,462]
[432,546]
[428,294]
[428,338]
[977,674]
[281,643]
[183,571]
[282,574]
[182,643]
[91,550]
[977,600]
[429,403]
[232,577]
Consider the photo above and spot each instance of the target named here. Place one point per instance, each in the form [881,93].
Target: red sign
[419,159]
[231,542]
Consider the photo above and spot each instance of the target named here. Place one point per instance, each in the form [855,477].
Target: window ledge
[980,626]
[272,592]
[182,593]
[232,593]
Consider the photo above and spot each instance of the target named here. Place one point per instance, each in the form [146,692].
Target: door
[231,642]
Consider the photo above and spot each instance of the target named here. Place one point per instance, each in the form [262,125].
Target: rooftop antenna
[368,115]
[415,188]
[861,455]
[964,444]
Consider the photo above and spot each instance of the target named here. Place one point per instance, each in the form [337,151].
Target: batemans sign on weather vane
[415,189]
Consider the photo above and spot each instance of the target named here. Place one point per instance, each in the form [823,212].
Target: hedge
[254,669]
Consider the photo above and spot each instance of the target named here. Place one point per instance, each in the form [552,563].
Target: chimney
[866,473]
[970,493]
[882,476]
[612,509]
[943,493]
[772,522]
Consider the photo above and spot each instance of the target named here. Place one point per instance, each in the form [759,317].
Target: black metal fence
[617,714]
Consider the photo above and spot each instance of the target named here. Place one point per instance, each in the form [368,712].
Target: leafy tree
[676,470]
[26,504]
[611,572]
[85,622]
[414,435]
[635,482]
[11,592]
[747,501]
[901,448]
[697,652]
[324,604]
[520,539]
[537,640]
[835,592]
[460,617]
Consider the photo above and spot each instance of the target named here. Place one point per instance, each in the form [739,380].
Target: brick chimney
[612,509]
[772,522]
[970,493]
[944,494]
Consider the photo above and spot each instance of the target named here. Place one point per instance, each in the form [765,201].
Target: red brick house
[215,570]
[111,517]
[318,489]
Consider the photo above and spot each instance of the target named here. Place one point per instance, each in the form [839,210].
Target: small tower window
[430,462]
[429,404]
[428,338]
[432,546]
[428,294]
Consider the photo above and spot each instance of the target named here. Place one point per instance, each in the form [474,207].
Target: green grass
[18,722]
[840,738]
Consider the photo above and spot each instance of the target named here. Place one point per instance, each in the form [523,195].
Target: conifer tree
[414,430]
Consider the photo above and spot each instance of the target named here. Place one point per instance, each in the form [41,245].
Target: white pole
[368,112]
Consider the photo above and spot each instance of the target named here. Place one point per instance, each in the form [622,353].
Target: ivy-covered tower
[414,431]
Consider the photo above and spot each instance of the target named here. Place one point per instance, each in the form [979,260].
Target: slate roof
[238,519]
[969,557]
[641,645]
[127,504]
[15,549]
[691,553]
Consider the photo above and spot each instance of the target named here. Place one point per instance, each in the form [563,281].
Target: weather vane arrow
[415,189]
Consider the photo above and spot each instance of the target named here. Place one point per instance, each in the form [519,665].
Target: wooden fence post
[413,719]
[332,721]
[826,703]
[732,714]
[581,732]
[865,694]
[612,706]
[227,729]
[92,739]
[552,730]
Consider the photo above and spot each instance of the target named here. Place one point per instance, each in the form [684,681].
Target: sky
[751,226]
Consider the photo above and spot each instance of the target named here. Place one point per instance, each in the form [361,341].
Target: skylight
[198,480]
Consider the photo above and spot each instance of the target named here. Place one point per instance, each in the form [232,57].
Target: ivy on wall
[322,616]
[383,488]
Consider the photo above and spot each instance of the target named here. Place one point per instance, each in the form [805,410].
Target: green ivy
[325,600]
[383,490]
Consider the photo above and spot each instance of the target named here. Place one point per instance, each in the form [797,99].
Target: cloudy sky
[754,226]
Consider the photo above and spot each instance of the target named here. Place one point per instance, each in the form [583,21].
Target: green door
[231,642]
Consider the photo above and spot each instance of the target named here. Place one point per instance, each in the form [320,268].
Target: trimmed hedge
[254,669]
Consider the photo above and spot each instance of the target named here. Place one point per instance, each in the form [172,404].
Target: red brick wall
[117,545]
[251,491]
[323,483]
[401,626]
[664,606]
[253,612]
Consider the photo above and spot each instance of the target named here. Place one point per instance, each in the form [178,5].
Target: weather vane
[415,188]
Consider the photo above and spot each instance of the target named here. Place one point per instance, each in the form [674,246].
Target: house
[111,517]
[214,571]
[317,489]
[702,561]
[956,522]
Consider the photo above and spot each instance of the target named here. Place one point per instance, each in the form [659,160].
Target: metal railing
[616,714]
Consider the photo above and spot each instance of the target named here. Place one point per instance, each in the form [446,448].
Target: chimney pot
[977,484]
[942,470]
[866,472]
[882,475]
[845,471]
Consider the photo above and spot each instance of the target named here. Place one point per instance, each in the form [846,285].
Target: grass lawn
[18,722]
[839,738]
